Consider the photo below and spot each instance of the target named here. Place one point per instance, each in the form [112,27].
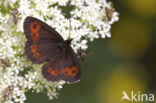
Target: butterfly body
[64,45]
[44,44]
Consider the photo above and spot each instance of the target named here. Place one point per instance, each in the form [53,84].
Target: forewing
[41,40]
[34,28]
[63,67]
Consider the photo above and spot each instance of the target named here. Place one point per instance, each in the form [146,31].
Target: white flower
[86,23]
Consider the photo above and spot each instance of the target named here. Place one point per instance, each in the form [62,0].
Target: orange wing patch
[74,71]
[33,48]
[66,72]
[52,71]
[34,28]
[35,37]
[36,55]
[70,71]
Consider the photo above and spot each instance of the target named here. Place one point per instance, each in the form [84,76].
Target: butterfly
[44,44]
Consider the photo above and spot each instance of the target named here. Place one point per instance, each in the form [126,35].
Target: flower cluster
[81,20]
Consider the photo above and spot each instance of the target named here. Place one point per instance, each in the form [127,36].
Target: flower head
[83,21]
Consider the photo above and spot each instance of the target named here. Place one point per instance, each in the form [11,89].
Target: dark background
[127,61]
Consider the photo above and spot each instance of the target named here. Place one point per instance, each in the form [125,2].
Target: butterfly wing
[64,67]
[41,51]
[41,40]
[32,25]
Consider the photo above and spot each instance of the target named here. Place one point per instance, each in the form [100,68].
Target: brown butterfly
[44,44]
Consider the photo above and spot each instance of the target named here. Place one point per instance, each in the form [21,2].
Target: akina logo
[137,97]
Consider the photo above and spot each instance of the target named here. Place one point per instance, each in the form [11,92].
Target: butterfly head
[68,42]
[64,44]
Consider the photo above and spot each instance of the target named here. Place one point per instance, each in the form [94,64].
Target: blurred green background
[127,61]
